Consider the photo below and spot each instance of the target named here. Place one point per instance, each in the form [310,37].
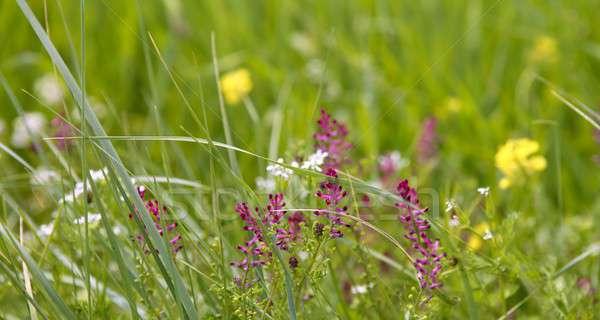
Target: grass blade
[57,302]
[164,258]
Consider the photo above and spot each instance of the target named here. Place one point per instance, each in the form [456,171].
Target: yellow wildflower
[448,106]
[545,49]
[453,104]
[516,158]
[236,85]
[481,232]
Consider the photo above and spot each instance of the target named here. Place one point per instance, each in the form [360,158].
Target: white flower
[96,175]
[75,193]
[2,126]
[277,170]
[49,89]
[46,229]
[303,255]
[392,162]
[361,289]
[484,191]
[487,235]
[266,185]
[117,230]
[92,217]
[43,176]
[454,222]
[31,124]
[315,161]
[450,205]
[315,68]
[99,175]
[303,43]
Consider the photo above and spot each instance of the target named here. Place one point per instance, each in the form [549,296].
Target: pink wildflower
[333,194]
[428,264]
[331,138]
[62,130]
[427,145]
[157,213]
[256,251]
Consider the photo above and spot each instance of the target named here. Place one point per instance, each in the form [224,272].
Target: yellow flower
[236,85]
[449,106]
[475,241]
[545,49]
[453,104]
[516,158]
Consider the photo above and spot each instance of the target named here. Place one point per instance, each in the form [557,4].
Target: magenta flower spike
[158,212]
[331,138]
[333,194]
[62,131]
[427,260]
[427,145]
[256,251]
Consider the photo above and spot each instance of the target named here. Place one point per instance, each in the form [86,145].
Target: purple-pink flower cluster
[333,194]
[62,131]
[427,145]
[331,138]
[256,251]
[428,264]
[163,227]
[284,237]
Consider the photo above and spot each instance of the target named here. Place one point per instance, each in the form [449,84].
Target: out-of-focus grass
[380,66]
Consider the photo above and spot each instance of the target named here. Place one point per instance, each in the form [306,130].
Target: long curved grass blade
[345,178]
[577,110]
[17,284]
[163,257]
[57,302]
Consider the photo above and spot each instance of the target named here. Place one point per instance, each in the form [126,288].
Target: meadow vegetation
[181,159]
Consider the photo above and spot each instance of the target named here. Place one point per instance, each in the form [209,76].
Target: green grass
[382,67]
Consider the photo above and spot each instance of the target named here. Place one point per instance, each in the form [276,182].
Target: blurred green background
[380,66]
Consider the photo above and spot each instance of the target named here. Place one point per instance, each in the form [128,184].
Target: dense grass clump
[303,160]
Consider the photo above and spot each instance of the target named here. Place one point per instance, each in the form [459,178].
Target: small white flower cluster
[393,159]
[361,289]
[454,222]
[97,175]
[49,89]
[277,170]
[43,176]
[450,205]
[484,191]
[92,218]
[30,125]
[315,161]
[303,43]
[303,255]
[77,191]
[46,229]
[487,235]
[266,185]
